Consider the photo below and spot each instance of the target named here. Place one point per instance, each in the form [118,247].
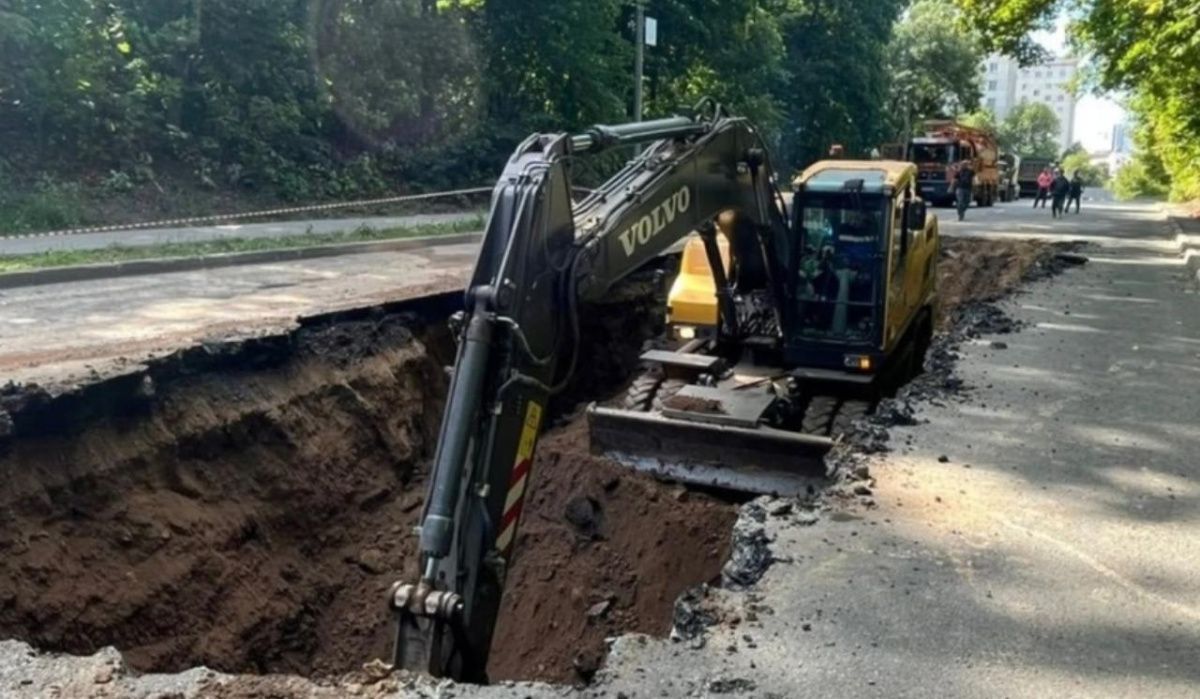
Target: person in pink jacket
[1045,179]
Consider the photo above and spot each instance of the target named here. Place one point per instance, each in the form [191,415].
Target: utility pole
[639,57]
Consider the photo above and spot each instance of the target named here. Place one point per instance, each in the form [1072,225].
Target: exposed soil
[604,551]
[246,507]
[977,270]
[244,519]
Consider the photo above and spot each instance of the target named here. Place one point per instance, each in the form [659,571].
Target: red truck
[939,149]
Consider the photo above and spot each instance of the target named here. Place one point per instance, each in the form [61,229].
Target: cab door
[897,293]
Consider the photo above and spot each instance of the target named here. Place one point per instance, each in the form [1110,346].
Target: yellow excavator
[782,315]
[855,322]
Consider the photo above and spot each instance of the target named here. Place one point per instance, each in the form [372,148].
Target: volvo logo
[650,225]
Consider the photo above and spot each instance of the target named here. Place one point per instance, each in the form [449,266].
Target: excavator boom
[542,255]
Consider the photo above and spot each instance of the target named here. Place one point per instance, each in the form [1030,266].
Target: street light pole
[639,58]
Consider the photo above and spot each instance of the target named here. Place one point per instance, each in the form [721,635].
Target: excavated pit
[246,506]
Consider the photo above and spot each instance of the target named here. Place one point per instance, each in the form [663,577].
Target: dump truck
[1009,165]
[775,314]
[1027,174]
[939,149]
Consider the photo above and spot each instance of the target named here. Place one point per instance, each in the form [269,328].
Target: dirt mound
[248,505]
[603,551]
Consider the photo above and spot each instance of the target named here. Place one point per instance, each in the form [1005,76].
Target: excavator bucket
[711,437]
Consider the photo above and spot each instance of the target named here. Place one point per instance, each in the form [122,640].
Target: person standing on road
[1059,189]
[1044,180]
[1076,191]
[964,184]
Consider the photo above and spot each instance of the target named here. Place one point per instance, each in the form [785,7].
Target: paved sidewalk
[159,236]
[58,333]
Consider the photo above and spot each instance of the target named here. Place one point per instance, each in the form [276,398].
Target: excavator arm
[542,255]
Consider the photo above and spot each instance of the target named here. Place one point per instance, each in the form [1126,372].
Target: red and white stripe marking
[513,505]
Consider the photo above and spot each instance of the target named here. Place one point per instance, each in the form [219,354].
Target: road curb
[1189,246]
[83,273]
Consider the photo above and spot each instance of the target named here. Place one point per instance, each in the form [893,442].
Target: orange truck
[938,151]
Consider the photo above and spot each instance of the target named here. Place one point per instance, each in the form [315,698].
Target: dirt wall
[246,507]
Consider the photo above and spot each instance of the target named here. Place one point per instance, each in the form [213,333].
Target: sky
[1095,115]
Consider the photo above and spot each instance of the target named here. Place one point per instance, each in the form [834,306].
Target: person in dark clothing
[964,183]
[1059,189]
[1076,191]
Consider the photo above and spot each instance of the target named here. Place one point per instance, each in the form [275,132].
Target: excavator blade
[731,457]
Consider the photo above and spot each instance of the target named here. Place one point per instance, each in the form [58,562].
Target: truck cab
[937,153]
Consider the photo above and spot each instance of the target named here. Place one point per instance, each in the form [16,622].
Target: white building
[1006,84]
[1121,142]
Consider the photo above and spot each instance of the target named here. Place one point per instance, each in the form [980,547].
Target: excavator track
[832,416]
[647,434]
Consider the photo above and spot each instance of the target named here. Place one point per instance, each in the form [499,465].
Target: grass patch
[122,253]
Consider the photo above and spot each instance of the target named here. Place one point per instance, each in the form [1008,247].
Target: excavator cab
[863,269]
[840,224]
[852,316]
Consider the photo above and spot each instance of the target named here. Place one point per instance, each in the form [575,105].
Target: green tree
[984,119]
[934,65]
[1145,47]
[1073,149]
[838,79]
[1079,161]
[731,51]
[304,99]
[558,65]
[1030,130]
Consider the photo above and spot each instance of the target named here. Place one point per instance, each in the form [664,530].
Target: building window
[991,103]
[992,67]
[991,84]
[1036,92]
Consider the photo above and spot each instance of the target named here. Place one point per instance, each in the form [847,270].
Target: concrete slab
[62,333]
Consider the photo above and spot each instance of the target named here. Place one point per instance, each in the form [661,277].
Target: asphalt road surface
[1039,539]
[1035,537]
[64,333]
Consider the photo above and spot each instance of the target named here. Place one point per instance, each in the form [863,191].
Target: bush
[1134,180]
[48,205]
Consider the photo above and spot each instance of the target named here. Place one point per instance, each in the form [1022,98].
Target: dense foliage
[934,65]
[306,99]
[1030,130]
[1148,48]
[1076,160]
